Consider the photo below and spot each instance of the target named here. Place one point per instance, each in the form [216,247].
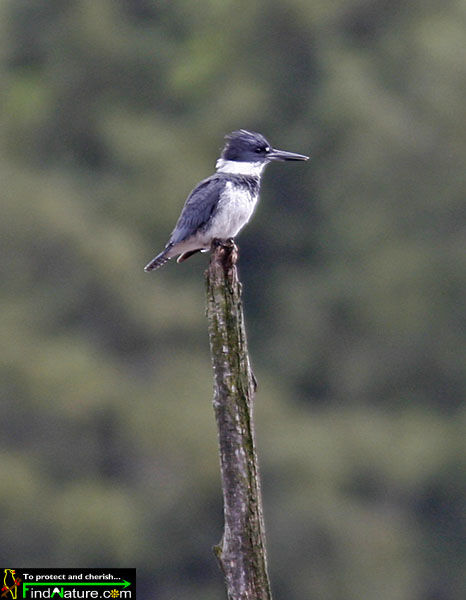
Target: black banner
[16,584]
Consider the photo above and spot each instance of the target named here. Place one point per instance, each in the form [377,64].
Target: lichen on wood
[241,552]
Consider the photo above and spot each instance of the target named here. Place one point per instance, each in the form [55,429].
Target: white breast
[234,210]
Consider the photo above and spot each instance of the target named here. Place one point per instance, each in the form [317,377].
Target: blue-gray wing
[199,208]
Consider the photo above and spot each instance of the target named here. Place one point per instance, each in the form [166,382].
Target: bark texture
[241,552]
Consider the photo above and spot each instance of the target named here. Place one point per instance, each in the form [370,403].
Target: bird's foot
[229,242]
[228,251]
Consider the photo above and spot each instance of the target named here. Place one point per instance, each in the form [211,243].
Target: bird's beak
[275,154]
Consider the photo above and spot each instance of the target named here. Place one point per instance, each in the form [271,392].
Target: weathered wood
[241,552]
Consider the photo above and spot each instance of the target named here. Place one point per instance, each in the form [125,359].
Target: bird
[221,205]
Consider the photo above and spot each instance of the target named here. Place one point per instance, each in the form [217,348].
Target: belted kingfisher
[221,205]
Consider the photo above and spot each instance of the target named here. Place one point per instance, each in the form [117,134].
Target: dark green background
[353,270]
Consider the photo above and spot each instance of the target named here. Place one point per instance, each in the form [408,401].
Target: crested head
[248,152]
[245,146]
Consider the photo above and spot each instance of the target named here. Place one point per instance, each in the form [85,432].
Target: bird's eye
[262,149]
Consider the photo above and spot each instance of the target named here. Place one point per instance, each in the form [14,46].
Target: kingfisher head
[248,152]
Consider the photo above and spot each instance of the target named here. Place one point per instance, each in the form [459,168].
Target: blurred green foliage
[354,272]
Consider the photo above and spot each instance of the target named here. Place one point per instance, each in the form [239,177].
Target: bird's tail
[159,260]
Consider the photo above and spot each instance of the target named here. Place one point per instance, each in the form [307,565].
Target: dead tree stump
[241,552]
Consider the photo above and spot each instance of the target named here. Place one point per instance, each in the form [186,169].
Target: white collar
[253,169]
